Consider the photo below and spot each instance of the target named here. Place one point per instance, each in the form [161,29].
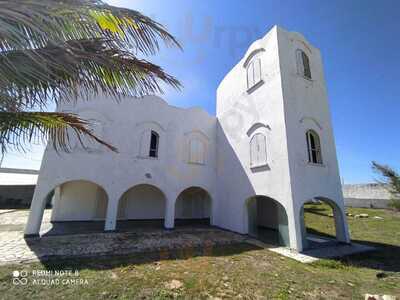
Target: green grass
[237,271]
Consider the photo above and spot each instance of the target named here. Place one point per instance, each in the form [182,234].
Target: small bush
[330,264]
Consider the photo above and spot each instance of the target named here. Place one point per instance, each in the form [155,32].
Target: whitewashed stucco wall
[306,107]
[122,124]
[283,106]
[287,105]
[264,106]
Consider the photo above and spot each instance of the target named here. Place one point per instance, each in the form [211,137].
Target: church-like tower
[250,169]
[275,145]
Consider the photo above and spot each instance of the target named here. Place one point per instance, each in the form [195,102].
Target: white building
[250,169]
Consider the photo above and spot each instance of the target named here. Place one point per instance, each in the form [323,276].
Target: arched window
[154,144]
[149,144]
[258,150]
[303,64]
[314,147]
[253,73]
[196,151]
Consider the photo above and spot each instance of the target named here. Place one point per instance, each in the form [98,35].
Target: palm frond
[17,129]
[32,24]
[75,69]
[63,50]
[390,177]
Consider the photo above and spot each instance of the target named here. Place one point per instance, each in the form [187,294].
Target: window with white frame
[253,73]
[303,64]
[258,150]
[196,151]
[314,147]
[149,144]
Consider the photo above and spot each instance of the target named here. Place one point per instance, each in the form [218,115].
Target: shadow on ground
[321,211]
[85,227]
[106,262]
[385,257]
[144,239]
[187,240]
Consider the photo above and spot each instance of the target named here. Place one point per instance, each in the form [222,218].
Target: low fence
[16,196]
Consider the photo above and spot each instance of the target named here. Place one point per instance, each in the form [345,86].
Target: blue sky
[359,41]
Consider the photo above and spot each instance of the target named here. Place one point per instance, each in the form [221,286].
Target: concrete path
[332,251]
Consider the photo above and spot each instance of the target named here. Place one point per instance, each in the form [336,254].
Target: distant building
[269,150]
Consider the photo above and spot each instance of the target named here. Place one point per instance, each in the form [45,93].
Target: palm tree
[391,179]
[54,51]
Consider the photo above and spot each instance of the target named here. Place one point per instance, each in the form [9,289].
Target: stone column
[36,213]
[295,228]
[169,220]
[342,231]
[111,216]
[213,208]
[303,228]
[55,203]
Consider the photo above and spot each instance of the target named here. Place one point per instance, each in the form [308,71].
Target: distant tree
[55,51]
[392,180]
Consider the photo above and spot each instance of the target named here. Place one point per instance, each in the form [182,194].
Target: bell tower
[275,138]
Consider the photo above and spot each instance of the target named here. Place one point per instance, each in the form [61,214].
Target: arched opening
[79,200]
[73,204]
[193,206]
[141,205]
[323,223]
[267,220]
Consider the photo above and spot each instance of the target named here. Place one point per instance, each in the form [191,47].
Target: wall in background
[366,195]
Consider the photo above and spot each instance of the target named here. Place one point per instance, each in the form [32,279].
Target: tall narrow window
[303,64]
[253,73]
[196,151]
[258,150]
[314,147]
[154,144]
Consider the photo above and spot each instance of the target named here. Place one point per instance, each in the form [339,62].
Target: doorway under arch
[323,223]
[79,200]
[193,206]
[267,220]
[145,203]
[75,206]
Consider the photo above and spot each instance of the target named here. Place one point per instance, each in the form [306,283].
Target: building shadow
[109,260]
[72,227]
[8,211]
[316,210]
[384,257]
[87,227]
